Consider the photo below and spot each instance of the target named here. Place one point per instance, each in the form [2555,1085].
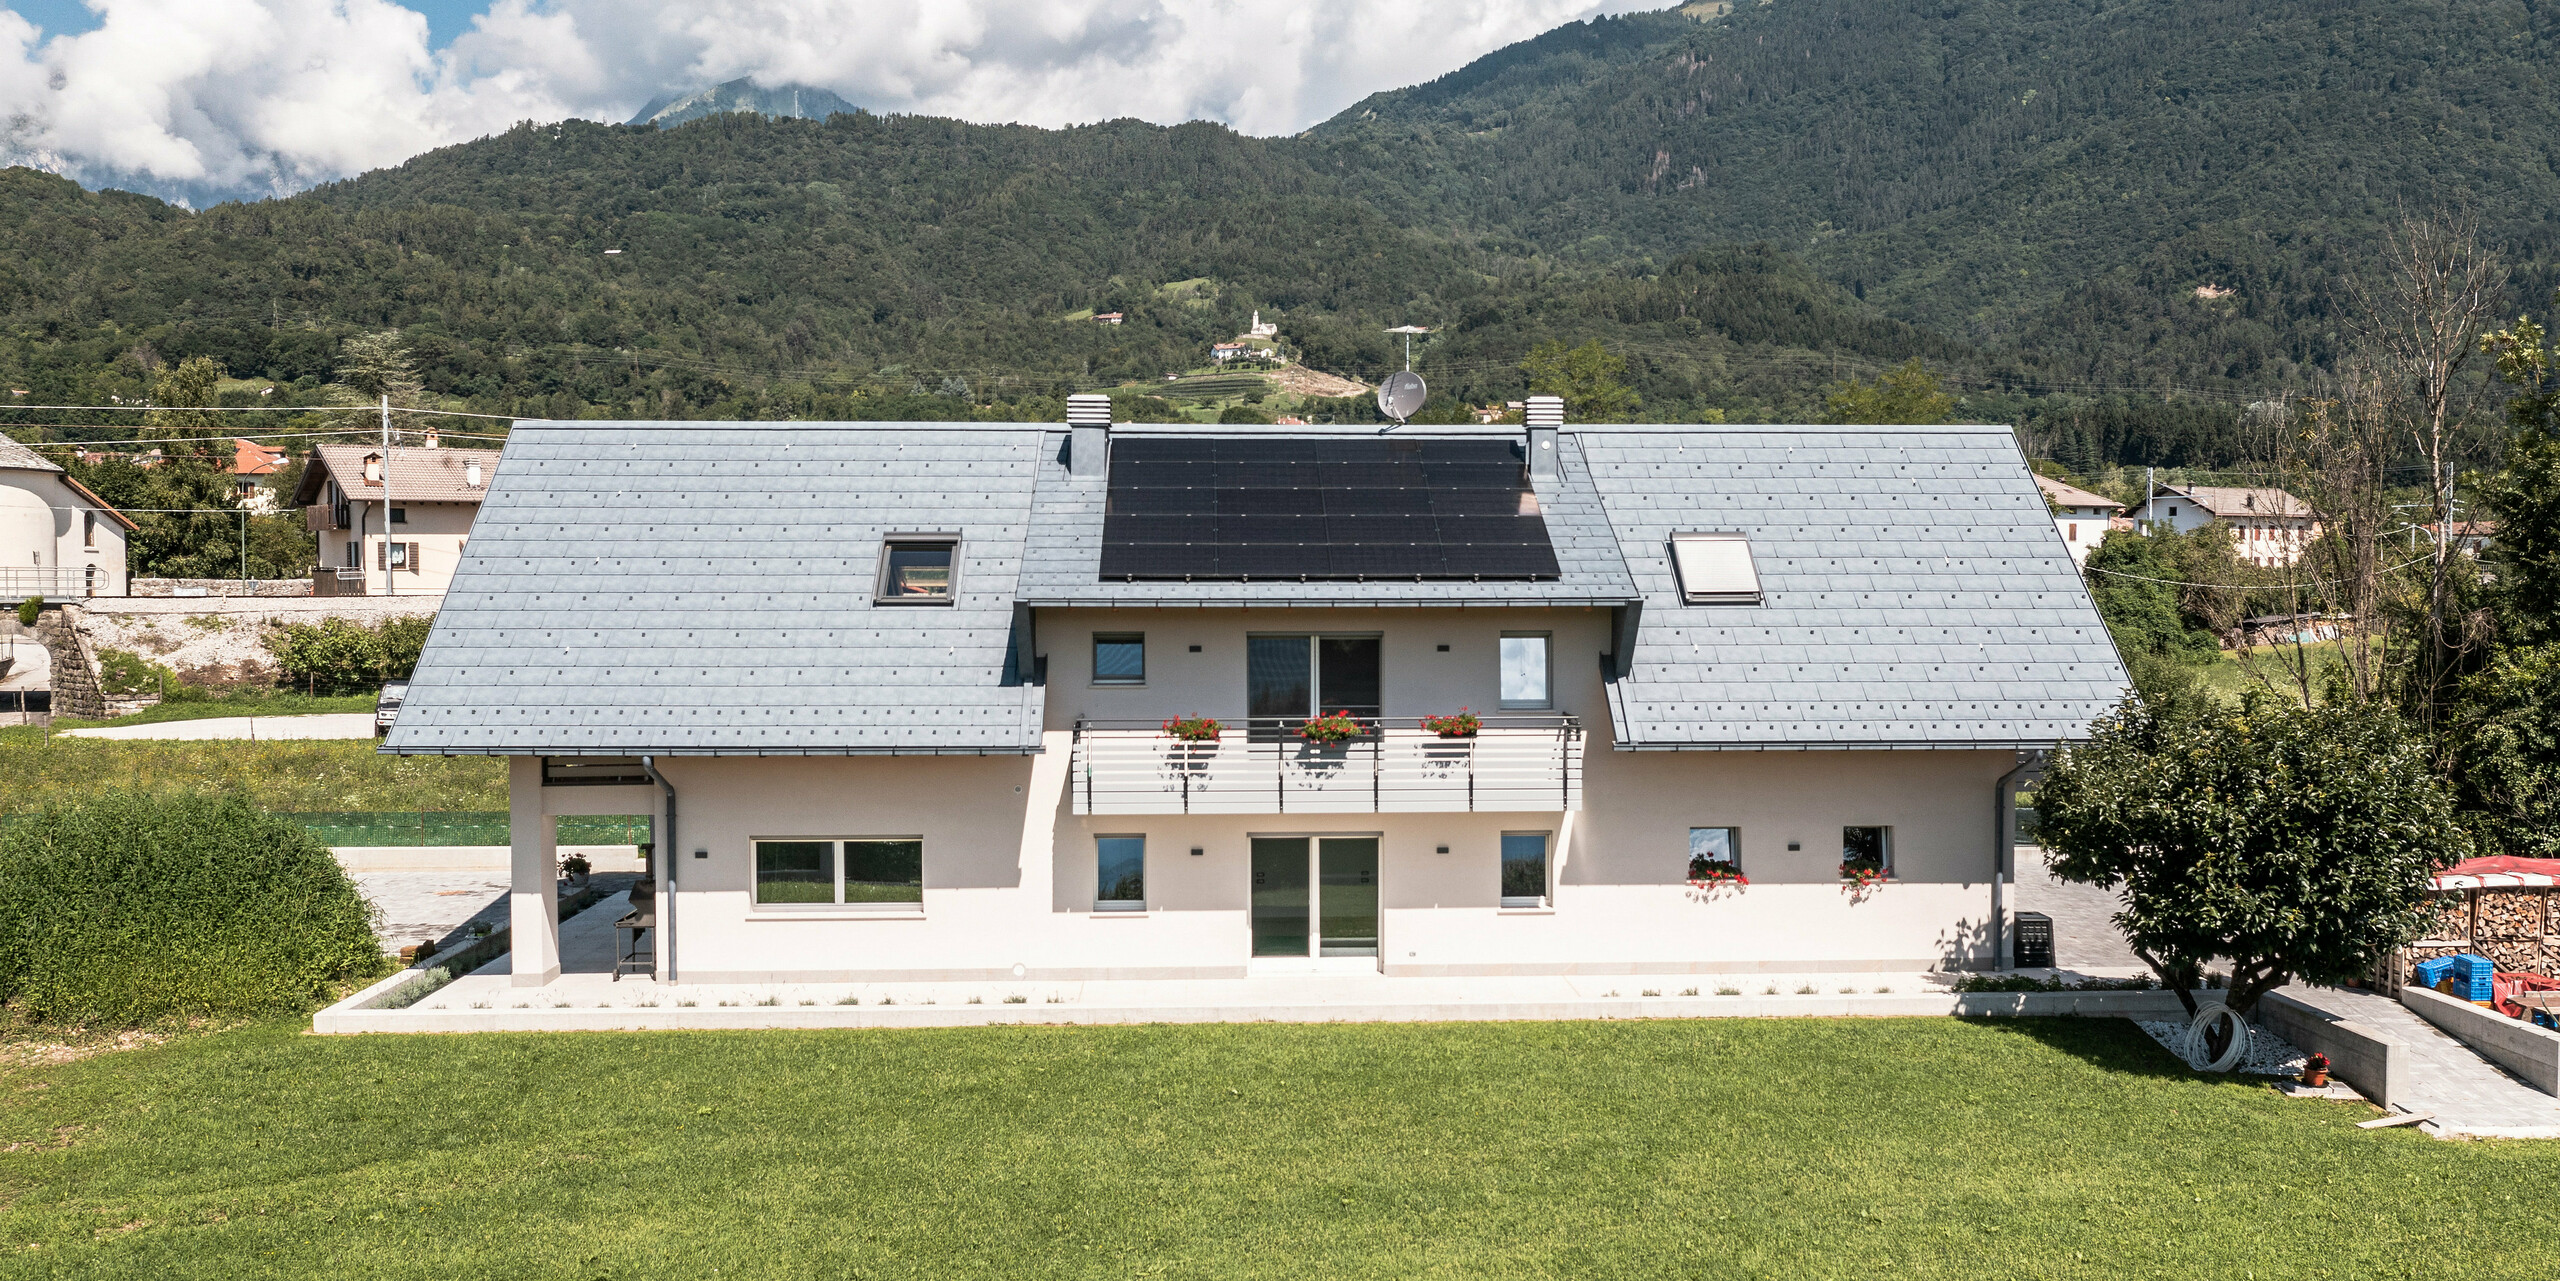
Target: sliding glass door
[1340,916]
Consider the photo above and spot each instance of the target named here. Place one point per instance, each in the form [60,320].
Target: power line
[254,409]
[2244,587]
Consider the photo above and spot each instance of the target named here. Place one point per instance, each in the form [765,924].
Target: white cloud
[210,98]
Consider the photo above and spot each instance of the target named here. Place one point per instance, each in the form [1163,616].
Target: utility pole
[387,581]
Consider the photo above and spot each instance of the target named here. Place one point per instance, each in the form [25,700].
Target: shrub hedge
[341,656]
[130,907]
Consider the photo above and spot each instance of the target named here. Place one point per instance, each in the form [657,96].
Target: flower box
[1332,728]
[1193,729]
[1464,724]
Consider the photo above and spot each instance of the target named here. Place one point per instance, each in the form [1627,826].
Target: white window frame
[1101,904]
[1546,681]
[1733,844]
[1886,828]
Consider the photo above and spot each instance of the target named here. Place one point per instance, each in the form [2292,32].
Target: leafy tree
[372,366]
[1242,414]
[341,656]
[2293,842]
[1586,376]
[1907,393]
[2134,581]
[2525,493]
[179,394]
[2505,750]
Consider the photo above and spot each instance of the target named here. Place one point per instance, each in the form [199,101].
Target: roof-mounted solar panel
[1230,508]
[1715,569]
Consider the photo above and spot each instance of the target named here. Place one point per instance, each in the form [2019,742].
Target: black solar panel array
[1244,508]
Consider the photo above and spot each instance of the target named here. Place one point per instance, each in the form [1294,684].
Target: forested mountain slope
[2058,173]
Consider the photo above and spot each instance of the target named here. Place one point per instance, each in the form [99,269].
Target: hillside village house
[252,465]
[391,526]
[57,539]
[2268,526]
[929,700]
[2082,517]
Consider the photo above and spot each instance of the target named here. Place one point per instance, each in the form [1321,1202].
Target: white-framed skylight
[1715,568]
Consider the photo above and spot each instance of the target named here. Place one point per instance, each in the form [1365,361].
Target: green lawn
[293,775]
[1708,1148]
[276,704]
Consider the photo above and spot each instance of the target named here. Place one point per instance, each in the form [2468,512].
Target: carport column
[533,898]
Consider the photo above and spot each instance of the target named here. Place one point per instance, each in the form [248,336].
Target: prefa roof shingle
[1915,592]
[691,588]
[688,588]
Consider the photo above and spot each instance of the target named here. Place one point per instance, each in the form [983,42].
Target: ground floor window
[1866,849]
[864,870]
[1120,873]
[1524,869]
[1714,851]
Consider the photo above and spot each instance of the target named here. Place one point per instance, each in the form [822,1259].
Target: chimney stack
[1088,434]
[1546,423]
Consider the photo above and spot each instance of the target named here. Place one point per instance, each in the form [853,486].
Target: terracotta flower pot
[2316,1078]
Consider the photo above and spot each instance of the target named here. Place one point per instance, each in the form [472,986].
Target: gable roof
[17,457]
[625,590]
[2074,496]
[2237,503]
[249,458]
[417,475]
[644,587]
[1914,591]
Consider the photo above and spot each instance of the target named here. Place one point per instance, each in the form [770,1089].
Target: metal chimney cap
[1545,411]
[1089,409]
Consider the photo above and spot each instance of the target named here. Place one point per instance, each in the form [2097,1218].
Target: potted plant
[1863,874]
[1193,729]
[1463,725]
[1332,728]
[574,868]
[1708,873]
[2315,1071]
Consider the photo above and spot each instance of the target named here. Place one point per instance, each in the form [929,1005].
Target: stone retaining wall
[192,587]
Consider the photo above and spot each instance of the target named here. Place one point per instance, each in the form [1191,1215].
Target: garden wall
[219,587]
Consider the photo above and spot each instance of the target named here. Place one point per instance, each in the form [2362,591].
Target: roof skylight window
[1715,569]
[917,570]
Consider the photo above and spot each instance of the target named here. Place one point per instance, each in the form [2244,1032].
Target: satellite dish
[1400,396]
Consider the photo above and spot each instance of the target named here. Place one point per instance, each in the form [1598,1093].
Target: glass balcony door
[1315,896]
[1291,678]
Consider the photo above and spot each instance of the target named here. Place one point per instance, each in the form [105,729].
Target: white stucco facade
[57,540]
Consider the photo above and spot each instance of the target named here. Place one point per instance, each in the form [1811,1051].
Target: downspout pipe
[2004,795]
[670,854]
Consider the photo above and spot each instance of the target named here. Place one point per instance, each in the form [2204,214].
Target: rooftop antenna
[1401,395]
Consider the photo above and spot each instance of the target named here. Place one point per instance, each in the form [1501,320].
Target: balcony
[323,517]
[68,582]
[1514,764]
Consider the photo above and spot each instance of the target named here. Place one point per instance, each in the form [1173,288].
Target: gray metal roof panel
[688,588]
[1915,591]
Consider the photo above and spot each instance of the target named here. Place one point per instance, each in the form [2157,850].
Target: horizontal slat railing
[1515,764]
[64,583]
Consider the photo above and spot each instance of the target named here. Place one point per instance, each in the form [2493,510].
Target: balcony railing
[1515,764]
[322,517]
[68,582]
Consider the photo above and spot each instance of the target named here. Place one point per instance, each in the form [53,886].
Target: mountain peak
[803,102]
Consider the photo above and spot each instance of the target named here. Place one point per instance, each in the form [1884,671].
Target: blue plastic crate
[2471,974]
[2434,970]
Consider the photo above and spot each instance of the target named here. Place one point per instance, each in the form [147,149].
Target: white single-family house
[977,700]
[57,539]
[2082,517]
[2269,526]
[391,522]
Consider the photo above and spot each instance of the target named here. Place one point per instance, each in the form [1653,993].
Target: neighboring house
[1226,351]
[252,465]
[2268,526]
[1107,318]
[2469,537]
[899,693]
[57,539]
[2081,516]
[430,500]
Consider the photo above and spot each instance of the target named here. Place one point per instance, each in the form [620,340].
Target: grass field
[296,775]
[277,704]
[1708,1148]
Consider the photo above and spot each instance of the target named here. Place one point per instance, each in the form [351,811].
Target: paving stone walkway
[2469,1095]
[2084,938]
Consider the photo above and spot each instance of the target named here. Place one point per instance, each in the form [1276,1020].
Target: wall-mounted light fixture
[1196,851]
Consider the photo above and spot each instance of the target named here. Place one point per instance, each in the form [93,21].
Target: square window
[1866,849]
[1525,668]
[795,871]
[917,571]
[1119,658]
[1524,869]
[1120,873]
[1715,569]
[1712,849]
[399,515]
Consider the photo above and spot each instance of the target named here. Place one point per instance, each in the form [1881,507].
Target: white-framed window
[918,569]
[1867,849]
[1119,658]
[1714,848]
[1715,568]
[1524,869]
[1528,669]
[1119,873]
[869,872]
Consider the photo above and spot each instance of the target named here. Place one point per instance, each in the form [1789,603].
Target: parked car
[386,709]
